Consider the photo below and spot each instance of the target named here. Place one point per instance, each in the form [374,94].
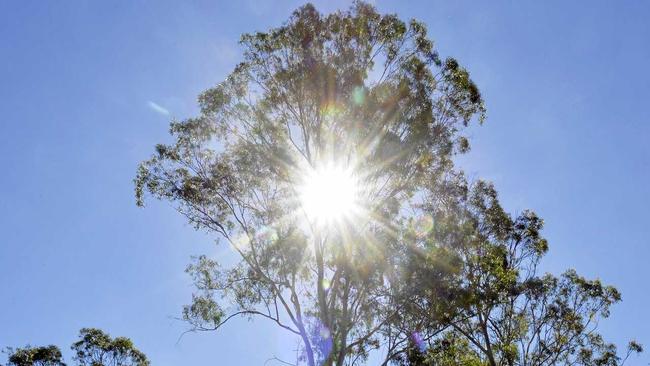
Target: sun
[330,194]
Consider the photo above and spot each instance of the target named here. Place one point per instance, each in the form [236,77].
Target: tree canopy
[94,348]
[36,356]
[422,266]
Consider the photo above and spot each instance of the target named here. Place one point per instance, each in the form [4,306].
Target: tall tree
[353,92]
[324,161]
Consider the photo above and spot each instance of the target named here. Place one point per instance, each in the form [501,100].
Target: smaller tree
[502,311]
[94,348]
[35,356]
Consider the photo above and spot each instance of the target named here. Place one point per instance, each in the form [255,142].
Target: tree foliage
[502,311]
[36,356]
[94,348]
[432,270]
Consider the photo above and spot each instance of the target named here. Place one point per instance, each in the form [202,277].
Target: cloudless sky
[87,88]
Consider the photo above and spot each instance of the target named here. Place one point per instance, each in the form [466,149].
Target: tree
[303,100]
[324,161]
[35,356]
[502,311]
[94,348]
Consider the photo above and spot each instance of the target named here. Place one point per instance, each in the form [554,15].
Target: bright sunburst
[330,194]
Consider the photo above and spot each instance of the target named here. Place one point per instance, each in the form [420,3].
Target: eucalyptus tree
[35,356]
[97,348]
[501,310]
[324,160]
[94,348]
[308,161]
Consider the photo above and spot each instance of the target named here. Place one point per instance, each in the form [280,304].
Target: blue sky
[87,89]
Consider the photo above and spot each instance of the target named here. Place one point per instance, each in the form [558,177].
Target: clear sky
[88,87]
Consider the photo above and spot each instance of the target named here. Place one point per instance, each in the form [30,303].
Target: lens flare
[329,194]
